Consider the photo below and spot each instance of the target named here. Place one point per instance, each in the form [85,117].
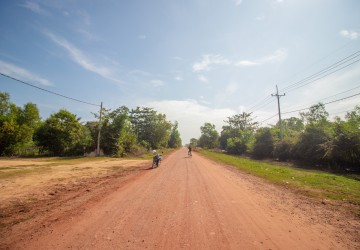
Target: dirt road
[187,203]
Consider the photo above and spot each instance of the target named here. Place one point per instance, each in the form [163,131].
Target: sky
[195,61]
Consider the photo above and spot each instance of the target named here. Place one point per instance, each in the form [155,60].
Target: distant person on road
[190,149]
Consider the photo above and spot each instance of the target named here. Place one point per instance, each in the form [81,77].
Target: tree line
[312,139]
[123,131]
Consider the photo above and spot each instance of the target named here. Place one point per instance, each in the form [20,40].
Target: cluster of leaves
[123,131]
[311,139]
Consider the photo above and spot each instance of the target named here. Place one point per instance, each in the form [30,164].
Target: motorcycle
[156,160]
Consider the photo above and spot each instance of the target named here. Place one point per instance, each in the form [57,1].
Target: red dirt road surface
[186,203]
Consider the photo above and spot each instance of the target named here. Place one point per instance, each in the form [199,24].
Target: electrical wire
[319,75]
[328,97]
[323,103]
[51,92]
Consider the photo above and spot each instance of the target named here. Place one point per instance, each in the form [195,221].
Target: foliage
[235,146]
[238,134]
[209,136]
[17,126]
[117,137]
[175,140]
[62,134]
[344,147]
[264,143]
[283,149]
[194,142]
[310,148]
[309,182]
[151,129]
[316,114]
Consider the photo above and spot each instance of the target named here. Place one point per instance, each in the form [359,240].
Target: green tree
[209,136]
[310,147]
[264,143]
[152,129]
[17,126]
[117,136]
[318,132]
[193,142]
[316,114]
[175,140]
[238,135]
[62,134]
[343,150]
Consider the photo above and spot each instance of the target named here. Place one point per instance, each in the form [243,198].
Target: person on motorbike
[190,149]
[156,159]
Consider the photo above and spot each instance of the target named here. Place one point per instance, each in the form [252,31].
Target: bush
[264,144]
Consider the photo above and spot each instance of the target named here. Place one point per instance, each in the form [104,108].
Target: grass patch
[15,172]
[310,182]
[117,168]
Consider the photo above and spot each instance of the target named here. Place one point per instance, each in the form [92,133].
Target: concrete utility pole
[278,99]
[98,141]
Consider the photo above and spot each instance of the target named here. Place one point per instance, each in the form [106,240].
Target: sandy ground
[186,203]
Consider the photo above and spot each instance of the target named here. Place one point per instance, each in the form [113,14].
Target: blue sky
[196,61]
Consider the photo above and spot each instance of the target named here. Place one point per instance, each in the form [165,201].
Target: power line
[329,96]
[317,76]
[293,111]
[312,78]
[51,92]
[263,105]
[269,118]
[324,103]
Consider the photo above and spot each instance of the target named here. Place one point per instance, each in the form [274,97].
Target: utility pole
[98,141]
[278,99]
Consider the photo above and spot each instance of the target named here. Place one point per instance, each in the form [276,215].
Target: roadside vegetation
[309,182]
[124,132]
[311,140]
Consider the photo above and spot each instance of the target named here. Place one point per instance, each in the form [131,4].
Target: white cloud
[157,83]
[178,78]
[260,18]
[22,74]
[202,78]
[231,88]
[142,37]
[191,115]
[208,60]
[238,2]
[279,55]
[246,63]
[353,35]
[35,7]
[78,57]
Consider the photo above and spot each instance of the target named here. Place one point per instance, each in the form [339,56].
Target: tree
[62,134]
[343,149]
[17,126]
[310,148]
[238,134]
[193,142]
[264,143]
[316,114]
[175,140]
[117,136]
[151,129]
[209,136]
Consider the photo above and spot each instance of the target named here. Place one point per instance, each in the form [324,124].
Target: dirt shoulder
[32,189]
